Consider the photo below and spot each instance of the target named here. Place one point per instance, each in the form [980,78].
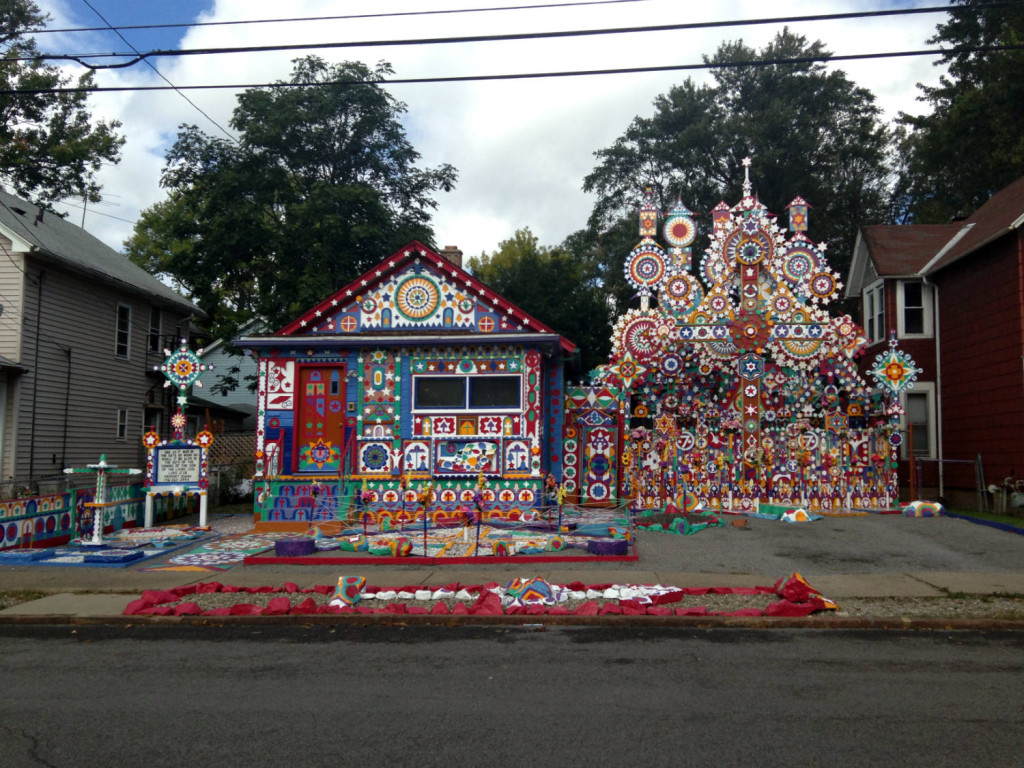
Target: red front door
[320,419]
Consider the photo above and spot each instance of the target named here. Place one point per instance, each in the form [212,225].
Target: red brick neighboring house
[954,294]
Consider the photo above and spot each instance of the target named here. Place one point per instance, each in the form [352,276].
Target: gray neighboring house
[241,398]
[81,328]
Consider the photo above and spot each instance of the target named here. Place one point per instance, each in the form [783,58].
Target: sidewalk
[842,558]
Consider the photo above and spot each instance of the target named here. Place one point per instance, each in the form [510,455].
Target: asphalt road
[145,696]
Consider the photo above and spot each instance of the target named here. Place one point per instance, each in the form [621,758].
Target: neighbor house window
[874,312]
[919,422]
[155,340]
[914,304]
[123,334]
[467,392]
[122,424]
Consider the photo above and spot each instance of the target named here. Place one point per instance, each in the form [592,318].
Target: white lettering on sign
[178,465]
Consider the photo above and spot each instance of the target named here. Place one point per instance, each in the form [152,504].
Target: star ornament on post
[894,370]
[183,369]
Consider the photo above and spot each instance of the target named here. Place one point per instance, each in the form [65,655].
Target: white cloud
[522,148]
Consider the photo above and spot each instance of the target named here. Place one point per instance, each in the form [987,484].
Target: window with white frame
[155,332]
[123,332]
[874,312]
[914,307]
[920,431]
[467,393]
[122,424]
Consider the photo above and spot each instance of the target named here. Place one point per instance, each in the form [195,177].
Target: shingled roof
[50,236]
[1001,215]
[904,250]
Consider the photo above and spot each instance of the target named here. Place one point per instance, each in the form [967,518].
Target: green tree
[971,144]
[50,148]
[810,131]
[557,285]
[321,185]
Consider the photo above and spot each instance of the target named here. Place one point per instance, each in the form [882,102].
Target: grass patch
[1015,520]
[9,598]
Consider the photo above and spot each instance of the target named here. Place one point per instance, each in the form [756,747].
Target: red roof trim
[396,261]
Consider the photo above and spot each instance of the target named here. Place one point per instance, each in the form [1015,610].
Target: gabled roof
[50,236]
[329,316]
[1002,214]
[903,250]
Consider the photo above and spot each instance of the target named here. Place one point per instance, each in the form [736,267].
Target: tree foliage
[50,148]
[321,185]
[971,144]
[810,131]
[558,286]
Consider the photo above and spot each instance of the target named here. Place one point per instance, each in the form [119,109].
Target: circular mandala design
[640,338]
[799,263]
[645,268]
[369,306]
[375,457]
[782,304]
[671,364]
[679,231]
[823,285]
[417,298]
[750,248]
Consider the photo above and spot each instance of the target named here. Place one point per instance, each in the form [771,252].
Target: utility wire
[825,58]
[161,74]
[337,18]
[492,38]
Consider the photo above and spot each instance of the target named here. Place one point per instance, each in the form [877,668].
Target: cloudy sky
[522,147]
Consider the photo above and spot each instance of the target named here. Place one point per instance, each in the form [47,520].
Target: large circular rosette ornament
[823,285]
[798,262]
[681,292]
[750,333]
[679,229]
[641,334]
[646,265]
[753,248]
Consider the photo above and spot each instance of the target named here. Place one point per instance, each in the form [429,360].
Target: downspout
[938,382]
[35,381]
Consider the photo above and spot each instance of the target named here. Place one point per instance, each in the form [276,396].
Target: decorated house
[954,296]
[413,387]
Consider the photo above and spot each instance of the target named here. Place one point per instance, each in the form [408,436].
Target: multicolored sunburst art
[183,367]
[894,370]
[320,453]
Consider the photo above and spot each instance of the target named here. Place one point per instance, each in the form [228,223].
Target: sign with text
[177,466]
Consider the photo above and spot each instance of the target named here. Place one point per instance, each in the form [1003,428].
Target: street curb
[532,621]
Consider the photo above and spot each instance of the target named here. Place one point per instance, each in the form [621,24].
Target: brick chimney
[452,254]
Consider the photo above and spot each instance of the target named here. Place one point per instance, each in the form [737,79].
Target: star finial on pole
[747,161]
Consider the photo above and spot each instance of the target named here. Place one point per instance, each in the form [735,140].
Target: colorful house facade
[415,381]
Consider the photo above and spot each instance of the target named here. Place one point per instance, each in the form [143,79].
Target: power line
[461,39]
[339,18]
[161,74]
[825,58]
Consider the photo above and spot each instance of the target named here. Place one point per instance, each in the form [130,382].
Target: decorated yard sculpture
[731,385]
[178,466]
